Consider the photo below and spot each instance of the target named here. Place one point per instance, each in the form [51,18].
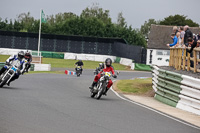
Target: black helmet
[27,55]
[21,55]
[108,62]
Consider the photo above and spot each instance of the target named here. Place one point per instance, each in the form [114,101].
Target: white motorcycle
[8,74]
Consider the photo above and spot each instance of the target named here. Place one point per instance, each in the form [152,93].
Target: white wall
[42,67]
[158,57]
[8,51]
[90,57]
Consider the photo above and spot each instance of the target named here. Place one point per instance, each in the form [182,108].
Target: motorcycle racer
[108,68]
[17,60]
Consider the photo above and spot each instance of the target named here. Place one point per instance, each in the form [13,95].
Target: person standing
[198,36]
[175,30]
[182,33]
[188,34]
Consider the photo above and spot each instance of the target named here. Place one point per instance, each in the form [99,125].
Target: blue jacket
[175,41]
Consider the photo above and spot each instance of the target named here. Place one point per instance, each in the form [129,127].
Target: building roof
[159,36]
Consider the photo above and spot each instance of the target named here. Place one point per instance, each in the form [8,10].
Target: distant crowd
[183,37]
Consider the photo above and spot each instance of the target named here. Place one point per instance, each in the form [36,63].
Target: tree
[93,21]
[96,12]
[17,26]
[3,24]
[121,20]
[145,28]
[178,20]
[27,21]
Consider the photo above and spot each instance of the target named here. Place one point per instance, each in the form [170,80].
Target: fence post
[195,60]
[184,58]
[179,58]
[170,58]
[188,62]
[176,60]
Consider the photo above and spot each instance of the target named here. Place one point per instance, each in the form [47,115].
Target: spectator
[194,37]
[198,43]
[188,34]
[179,39]
[182,34]
[198,36]
[175,40]
[175,30]
[192,43]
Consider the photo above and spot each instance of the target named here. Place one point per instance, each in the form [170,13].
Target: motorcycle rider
[17,60]
[100,68]
[79,63]
[28,57]
[108,68]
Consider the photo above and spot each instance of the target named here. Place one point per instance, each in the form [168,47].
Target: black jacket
[192,47]
[188,34]
[79,63]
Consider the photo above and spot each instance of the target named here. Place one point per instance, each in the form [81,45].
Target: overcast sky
[134,11]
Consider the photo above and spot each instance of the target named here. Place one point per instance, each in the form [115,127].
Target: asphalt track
[58,103]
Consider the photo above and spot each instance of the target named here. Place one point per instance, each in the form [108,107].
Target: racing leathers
[17,62]
[98,76]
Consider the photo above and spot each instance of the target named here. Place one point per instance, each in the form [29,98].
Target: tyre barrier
[176,90]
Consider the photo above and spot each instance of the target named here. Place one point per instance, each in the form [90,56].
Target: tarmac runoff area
[152,103]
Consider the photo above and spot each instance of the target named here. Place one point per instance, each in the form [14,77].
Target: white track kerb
[163,114]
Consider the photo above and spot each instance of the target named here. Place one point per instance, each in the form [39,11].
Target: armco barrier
[176,90]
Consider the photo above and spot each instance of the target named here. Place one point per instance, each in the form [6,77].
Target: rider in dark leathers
[28,57]
[79,63]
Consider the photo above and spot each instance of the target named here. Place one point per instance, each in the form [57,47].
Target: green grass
[136,86]
[62,63]
[3,58]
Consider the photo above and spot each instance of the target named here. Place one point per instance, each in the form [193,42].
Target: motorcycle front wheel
[4,81]
[101,90]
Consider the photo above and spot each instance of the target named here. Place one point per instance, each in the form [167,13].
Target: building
[157,51]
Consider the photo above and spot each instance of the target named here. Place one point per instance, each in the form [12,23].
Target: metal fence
[74,44]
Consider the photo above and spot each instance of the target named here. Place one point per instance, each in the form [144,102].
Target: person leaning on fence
[191,43]
[198,36]
[175,40]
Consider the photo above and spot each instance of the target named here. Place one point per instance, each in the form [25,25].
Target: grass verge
[63,63]
[136,86]
[3,58]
